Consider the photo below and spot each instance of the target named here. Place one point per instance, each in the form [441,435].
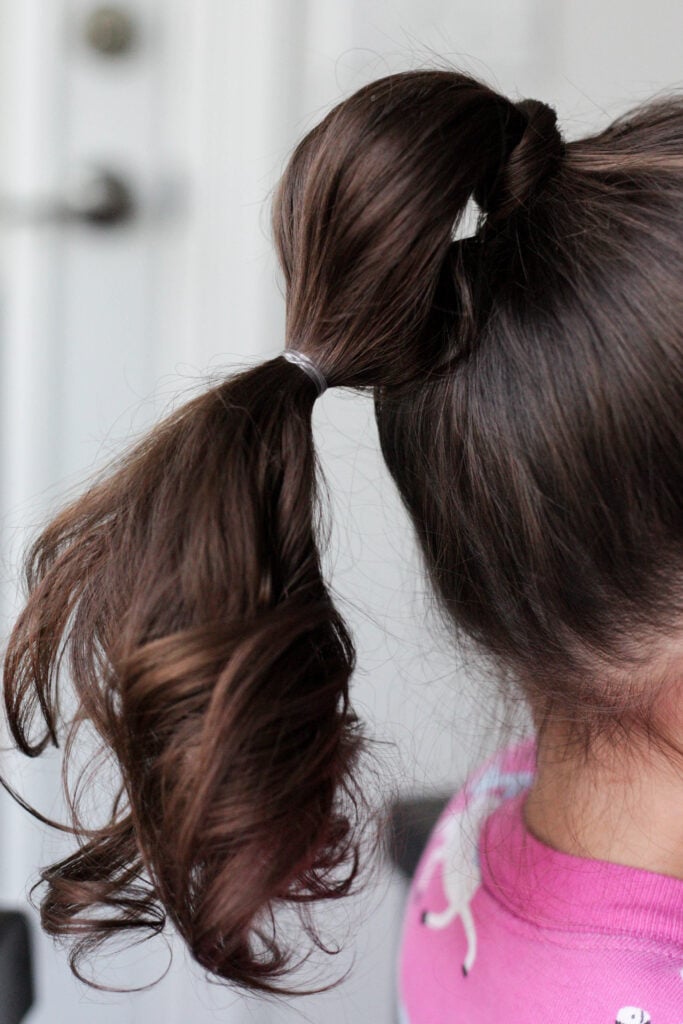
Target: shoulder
[441,931]
[455,833]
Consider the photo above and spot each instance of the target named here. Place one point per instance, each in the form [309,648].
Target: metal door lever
[96,196]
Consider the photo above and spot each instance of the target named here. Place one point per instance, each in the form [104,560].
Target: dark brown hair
[528,385]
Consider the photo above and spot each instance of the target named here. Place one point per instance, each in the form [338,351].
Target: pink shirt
[499,927]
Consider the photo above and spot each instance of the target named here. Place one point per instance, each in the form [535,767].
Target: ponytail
[203,645]
[184,589]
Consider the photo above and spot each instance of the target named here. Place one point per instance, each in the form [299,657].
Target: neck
[624,805]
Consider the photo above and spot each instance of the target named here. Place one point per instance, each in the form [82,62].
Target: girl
[528,387]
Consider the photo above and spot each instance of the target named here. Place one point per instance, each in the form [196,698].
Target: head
[528,387]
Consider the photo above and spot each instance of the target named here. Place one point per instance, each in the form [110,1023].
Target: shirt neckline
[559,890]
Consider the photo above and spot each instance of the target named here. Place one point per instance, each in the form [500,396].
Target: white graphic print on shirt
[455,850]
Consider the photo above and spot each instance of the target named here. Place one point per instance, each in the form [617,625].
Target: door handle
[95,196]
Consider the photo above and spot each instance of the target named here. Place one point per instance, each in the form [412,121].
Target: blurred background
[140,144]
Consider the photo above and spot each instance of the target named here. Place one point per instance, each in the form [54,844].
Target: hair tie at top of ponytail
[292,355]
[533,153]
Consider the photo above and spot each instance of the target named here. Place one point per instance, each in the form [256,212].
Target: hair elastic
[292,355]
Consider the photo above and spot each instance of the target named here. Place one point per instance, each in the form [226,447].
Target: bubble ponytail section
[182,594]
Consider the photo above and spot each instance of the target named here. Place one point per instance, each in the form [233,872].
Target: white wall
[100,331]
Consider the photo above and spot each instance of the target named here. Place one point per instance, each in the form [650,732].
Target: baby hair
[528,388]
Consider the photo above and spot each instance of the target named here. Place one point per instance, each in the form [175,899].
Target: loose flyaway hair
[528,387]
